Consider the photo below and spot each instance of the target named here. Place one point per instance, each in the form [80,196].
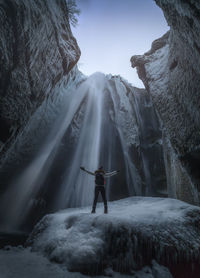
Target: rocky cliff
[171,74]
[37,53]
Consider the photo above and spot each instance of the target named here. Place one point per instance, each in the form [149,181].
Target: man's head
[100,170]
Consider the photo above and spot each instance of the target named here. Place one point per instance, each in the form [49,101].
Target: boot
[93,210]
[105,209]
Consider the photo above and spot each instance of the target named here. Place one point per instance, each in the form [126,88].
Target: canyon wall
[37,53]
[170,71]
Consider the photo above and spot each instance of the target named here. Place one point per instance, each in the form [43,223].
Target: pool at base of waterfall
[135,233]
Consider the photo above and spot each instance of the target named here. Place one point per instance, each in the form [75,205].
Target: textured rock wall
[171,74]
[131,115]
[37,52]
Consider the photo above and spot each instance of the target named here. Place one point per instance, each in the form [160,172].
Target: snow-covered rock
[155,271]
[37,52]
[136,231]
[171,74]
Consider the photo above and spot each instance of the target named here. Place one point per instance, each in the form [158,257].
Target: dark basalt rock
[171,73]
[37,51]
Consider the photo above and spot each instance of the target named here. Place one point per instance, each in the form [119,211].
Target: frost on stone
[19,262]
[155,271]
[136,231]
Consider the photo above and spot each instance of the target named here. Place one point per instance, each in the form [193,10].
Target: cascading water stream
[76,189]
[132,177]
[98,126]
[25,186]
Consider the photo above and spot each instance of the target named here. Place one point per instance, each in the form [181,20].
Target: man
[100,176]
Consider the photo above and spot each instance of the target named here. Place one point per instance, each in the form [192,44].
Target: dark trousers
[99,188]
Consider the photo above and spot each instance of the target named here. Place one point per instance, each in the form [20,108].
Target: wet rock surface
[170,72]
[37,51]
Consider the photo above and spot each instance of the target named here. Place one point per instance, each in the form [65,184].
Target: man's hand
[82,168]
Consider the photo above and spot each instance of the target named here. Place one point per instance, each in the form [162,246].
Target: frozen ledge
[136,231]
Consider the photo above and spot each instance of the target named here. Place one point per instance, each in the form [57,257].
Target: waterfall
[76,189]
[100,124]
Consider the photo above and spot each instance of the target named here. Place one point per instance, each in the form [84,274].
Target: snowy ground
[136,231]
[22,263]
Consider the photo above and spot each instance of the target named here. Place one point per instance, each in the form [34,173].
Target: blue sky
[109,32]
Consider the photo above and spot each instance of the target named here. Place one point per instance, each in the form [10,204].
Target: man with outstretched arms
[100,176]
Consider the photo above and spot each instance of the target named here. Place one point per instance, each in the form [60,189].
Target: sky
[110,32]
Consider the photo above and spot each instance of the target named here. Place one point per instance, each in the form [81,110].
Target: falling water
[76,189]
[98,125]
[122,110]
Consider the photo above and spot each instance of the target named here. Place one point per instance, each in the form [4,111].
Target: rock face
[37,52]
[136,230]
[171,74]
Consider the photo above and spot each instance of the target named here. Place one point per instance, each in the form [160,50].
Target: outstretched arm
[83,169]
[110,174]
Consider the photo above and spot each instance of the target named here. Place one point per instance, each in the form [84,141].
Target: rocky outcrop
[171,74]
[37,52]
[136,231]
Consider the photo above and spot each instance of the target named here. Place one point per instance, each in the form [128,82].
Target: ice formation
[136,230]
[18,262]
